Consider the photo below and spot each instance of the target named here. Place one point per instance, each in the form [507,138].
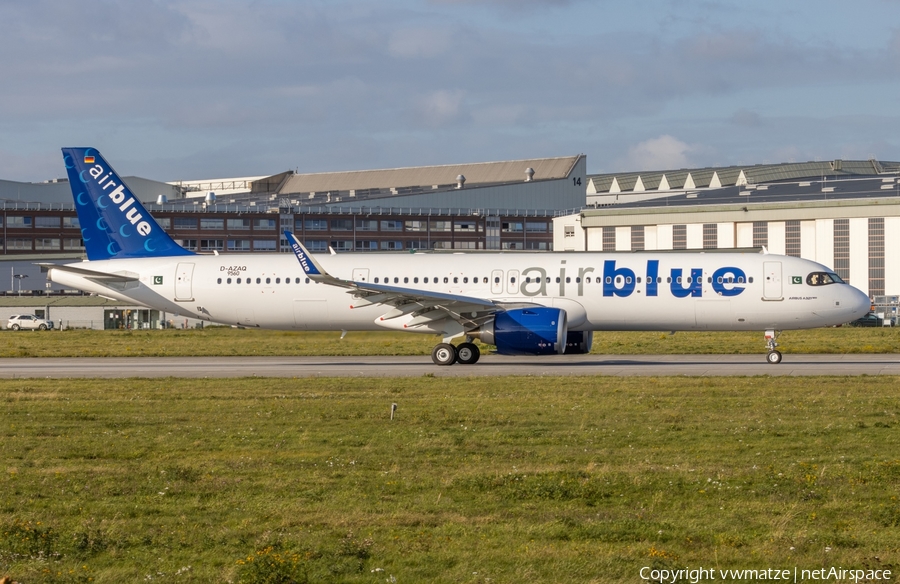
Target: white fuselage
[598,291]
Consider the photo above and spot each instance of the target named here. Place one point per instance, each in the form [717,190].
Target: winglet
[312,268]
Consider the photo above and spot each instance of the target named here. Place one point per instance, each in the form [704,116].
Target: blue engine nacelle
[526,331]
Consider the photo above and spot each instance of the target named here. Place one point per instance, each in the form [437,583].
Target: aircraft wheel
[774,357]
[15,327]
[467,354]
[443,354]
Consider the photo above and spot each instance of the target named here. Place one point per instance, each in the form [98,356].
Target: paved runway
[490,365]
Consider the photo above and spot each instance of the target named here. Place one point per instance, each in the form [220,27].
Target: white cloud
[664,152]
[441,107]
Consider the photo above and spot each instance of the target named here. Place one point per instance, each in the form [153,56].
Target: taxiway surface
[490,365]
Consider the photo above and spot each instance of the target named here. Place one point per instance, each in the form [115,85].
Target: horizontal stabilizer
[121,276]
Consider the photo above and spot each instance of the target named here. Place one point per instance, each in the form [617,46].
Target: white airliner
[523,303]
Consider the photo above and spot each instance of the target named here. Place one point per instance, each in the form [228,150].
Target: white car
[28,321]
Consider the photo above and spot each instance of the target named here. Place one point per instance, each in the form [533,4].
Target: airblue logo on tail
[114,223]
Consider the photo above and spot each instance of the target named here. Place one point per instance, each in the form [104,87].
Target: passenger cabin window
[823,279]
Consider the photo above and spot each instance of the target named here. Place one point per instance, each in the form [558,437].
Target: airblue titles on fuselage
[622,281]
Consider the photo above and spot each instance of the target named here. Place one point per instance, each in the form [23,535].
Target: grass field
[477,480]
[229,341]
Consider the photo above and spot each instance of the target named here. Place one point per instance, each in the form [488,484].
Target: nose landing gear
[774,356]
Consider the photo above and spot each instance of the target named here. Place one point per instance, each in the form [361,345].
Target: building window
[710,236]
[440,225]
[264,224]
[186,223]
[492,232]
[188,244]
[512,227]
[876,256]
[465,245]
[46,244]
[342,245]
[442,245]
[469,226]
[18,244]
[46,222]
[238,245]
[17,221]
[75,243]
[536,226]
[842,249]
[366,225]
[416,226]
[212,245]
[609,238]
[238,224]
[637,238]
[366,245]
[792,238]
[392,225]
[512,245]
[316,245]
[342,224]
[537,245]
[69,223]
[163,222]
[760,234]
[391,245]
[679,237]
[313,224]
[265,244]
[569,230]
[210,223]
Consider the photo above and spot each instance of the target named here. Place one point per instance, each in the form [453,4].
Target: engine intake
[526,331]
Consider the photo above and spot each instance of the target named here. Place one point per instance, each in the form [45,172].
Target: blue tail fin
[114,223]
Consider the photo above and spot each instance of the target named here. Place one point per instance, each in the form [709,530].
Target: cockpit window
[823,279]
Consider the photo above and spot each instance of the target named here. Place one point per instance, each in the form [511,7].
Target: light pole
[19,278]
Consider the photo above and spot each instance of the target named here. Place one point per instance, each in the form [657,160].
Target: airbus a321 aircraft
[523,303]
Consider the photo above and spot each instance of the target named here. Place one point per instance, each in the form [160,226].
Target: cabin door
[772,281]
[183,275]
[497,282]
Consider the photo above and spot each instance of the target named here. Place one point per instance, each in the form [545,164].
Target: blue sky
[219,88]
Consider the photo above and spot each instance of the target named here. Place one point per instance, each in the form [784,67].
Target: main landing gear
[446,354]
[774,356]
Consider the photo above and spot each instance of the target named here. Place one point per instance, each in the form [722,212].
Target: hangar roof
[723,176]
[428,177]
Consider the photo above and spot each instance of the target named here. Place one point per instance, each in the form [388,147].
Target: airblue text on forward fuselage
[621,281]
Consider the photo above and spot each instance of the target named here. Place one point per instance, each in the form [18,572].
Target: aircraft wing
[425,306]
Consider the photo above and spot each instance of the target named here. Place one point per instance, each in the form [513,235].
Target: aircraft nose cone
[861,303]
